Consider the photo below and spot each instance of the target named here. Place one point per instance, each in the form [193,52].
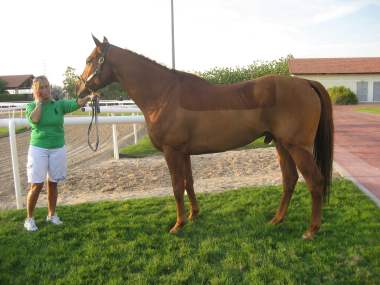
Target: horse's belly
[220,131]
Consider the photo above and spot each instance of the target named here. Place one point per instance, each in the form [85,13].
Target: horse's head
[97,72]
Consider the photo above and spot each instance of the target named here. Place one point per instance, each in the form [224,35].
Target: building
[18,84]
[361,75]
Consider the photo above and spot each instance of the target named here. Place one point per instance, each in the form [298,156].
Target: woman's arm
[35,116]
[82,101]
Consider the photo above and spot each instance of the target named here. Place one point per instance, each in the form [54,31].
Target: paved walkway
[357,148]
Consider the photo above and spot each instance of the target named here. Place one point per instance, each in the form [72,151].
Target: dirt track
[79,155]
[98,177]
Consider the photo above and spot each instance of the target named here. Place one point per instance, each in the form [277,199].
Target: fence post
[16,174]
[134,130]
[115,143]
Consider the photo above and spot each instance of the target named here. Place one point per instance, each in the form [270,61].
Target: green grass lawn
[372,110]
[145,148]
[231,242]
[4,131]
[259,143]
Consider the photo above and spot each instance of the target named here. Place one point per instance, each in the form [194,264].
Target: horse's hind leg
[306,164]
[289,180]
[176,163]
[189,186]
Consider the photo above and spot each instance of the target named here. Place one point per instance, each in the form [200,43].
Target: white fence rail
[12,110]
[12,123]
[21,105]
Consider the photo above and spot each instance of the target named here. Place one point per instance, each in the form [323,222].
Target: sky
[45,37]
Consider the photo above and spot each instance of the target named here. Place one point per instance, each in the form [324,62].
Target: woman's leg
[37,167]
[56,172]
[52,197]
[34,192]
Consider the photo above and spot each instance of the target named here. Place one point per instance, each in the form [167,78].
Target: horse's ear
[105,40]
[96,41]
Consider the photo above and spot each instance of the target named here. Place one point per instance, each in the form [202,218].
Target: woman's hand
[35,115]
[83,101]
[37,98]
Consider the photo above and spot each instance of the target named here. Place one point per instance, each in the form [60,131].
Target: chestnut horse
[187,115]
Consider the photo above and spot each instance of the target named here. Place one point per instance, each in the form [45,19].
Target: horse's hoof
[276,220]
[308,235]
[176,228]
[311,232]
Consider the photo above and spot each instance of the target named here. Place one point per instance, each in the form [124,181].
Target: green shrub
[341,95]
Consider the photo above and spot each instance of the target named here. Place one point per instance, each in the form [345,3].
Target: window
[362,91]
[376,91]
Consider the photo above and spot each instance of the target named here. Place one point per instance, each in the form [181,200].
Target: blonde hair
[37,81]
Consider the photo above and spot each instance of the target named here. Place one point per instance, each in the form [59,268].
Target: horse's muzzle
[81,90]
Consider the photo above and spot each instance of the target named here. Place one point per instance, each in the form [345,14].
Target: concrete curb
[348,176]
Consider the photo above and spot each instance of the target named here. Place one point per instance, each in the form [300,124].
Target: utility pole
[173,50]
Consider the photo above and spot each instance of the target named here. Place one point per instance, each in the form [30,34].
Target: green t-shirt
[49,131]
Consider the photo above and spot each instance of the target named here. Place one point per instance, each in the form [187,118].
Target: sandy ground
[79,155]
[146,177]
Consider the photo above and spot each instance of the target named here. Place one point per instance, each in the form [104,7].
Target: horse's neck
[146,82]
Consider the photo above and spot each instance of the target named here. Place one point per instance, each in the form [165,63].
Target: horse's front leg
[176,164]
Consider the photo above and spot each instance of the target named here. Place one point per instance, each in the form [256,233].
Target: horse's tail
[324,140]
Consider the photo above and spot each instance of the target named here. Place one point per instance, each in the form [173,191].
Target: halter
[95,109]
[97,70]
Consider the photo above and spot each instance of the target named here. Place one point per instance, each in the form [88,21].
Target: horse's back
[254,94]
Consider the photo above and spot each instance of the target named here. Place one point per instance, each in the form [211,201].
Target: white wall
[348,81]
[20,91]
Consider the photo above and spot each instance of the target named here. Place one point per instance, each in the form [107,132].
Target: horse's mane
[150,60]
[182,74]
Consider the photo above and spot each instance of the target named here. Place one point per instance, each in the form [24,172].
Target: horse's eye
[88,61]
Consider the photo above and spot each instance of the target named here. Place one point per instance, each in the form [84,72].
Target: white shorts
[46,163]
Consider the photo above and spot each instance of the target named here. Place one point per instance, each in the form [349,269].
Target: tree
[57,92]
[114,91]
[69,82]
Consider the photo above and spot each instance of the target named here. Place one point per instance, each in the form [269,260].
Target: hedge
[15,97]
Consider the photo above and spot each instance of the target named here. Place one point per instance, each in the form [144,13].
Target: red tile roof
[334,65]
[17,81]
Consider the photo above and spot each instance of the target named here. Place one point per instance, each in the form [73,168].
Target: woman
[47,151]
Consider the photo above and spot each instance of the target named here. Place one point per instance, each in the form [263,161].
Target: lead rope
[95,109]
